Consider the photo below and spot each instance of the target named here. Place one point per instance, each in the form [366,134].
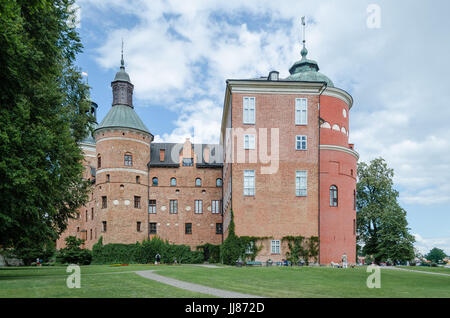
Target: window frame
[173,206]
[152,228]
[171,183]
[153,181]
[303,140]
[275,247]
[219,228]
[334,200]
[249,141]
[301,111]
[128,160]
[216,206]
[249,190]
[198,179]
[137,202]
[104,202]
[219,180]
[152,206]
[299,190]
[198,206]
[248,110]
[186,228]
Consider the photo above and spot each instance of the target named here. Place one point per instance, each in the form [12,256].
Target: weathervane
[304,26]
[121,60]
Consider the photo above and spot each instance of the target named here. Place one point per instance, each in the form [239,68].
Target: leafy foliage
[43,114]
[301,248]
[235,247]
[436,255]
[382,226]
[211,252]
[29,251]
[73,253]
[144,253]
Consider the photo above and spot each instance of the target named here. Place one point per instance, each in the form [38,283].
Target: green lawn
[428,269]
[106,281]
[96,281]
[313,281]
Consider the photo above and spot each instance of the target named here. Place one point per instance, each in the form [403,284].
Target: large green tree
[382,226]
[43,115]
[436,255]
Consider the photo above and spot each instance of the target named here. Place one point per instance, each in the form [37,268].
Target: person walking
[157,259]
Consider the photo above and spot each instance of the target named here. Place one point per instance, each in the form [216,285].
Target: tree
[436,255]
[73,253]
[43,115]
[382,226]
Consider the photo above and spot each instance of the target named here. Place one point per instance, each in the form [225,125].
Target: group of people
[158,259]
[344,262]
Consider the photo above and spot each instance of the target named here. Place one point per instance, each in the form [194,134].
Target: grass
[96,281]
[313,281]
[106,281]
[428,269]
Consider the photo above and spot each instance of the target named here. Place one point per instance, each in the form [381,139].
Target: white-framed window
[198,206]
[249,182]
[301,111]
[249,110]
[249,141]
[173,206]
[300,183]
[249,249]
[215,206]
[300,142]
[275,246]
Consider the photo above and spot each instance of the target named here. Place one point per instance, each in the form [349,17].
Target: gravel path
[193,287]
[412,270]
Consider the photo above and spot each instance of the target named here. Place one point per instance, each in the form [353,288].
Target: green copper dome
[307,71]
[122,116]
[121,75]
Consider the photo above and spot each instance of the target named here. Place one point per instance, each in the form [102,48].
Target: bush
[211,252]
[144,253]
[28,252]
[73,253]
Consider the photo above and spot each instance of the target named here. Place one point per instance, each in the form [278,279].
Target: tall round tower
[123,151]
[337,162]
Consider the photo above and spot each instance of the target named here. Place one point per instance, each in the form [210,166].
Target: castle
[283,166]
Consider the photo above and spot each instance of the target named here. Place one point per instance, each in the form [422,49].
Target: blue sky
[179,54]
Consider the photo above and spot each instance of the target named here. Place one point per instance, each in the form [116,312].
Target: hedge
[144,253]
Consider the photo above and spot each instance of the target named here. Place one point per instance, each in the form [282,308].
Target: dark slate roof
[176,148]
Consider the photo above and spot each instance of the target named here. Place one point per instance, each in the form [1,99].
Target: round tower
[337,162]
[123,152]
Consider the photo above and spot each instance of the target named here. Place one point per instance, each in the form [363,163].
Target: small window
[108,178]
[216,206]
[301,111]
[152,206]
[249,182]
[218,182]
[198,206]
[78,229]
[300,142]
[249,249]
[301,183]
[128,160]
[91,233]
[92,213]
[333,196]
[188,228]
[198,182]
[152,228]
[137,202]
[354,227]
[354,200]
[138,179]
[99,161]
[104,226]
[173,182]
[173,208]
[86,215]
[275,246]
[249,141]
[249,110]
[155,181]
[188,162]
[219,228]
[138,226]
[104,202]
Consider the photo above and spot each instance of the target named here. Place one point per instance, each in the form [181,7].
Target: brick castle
[283,165]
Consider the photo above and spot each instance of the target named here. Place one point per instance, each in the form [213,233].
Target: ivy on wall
[302,248]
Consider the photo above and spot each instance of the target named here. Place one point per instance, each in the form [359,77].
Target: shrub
[73,253]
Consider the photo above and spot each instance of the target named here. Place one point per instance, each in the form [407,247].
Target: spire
[304,51]
[122,63]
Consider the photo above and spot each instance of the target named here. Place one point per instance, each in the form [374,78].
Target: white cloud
[180,52]
[424,245]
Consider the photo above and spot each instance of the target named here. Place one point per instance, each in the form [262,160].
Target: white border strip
[122,169]
[340,148]
[123,138]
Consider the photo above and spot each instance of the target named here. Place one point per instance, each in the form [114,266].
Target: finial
[304,51]
[122,63]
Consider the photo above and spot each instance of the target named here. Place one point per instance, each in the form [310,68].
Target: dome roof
[121,75]
[122,116]
[307,70]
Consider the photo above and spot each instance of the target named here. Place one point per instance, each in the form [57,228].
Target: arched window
[173,182]
[333,196]
[218,182]
[128,159]
[155,181]
[99,162]
[198,182]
